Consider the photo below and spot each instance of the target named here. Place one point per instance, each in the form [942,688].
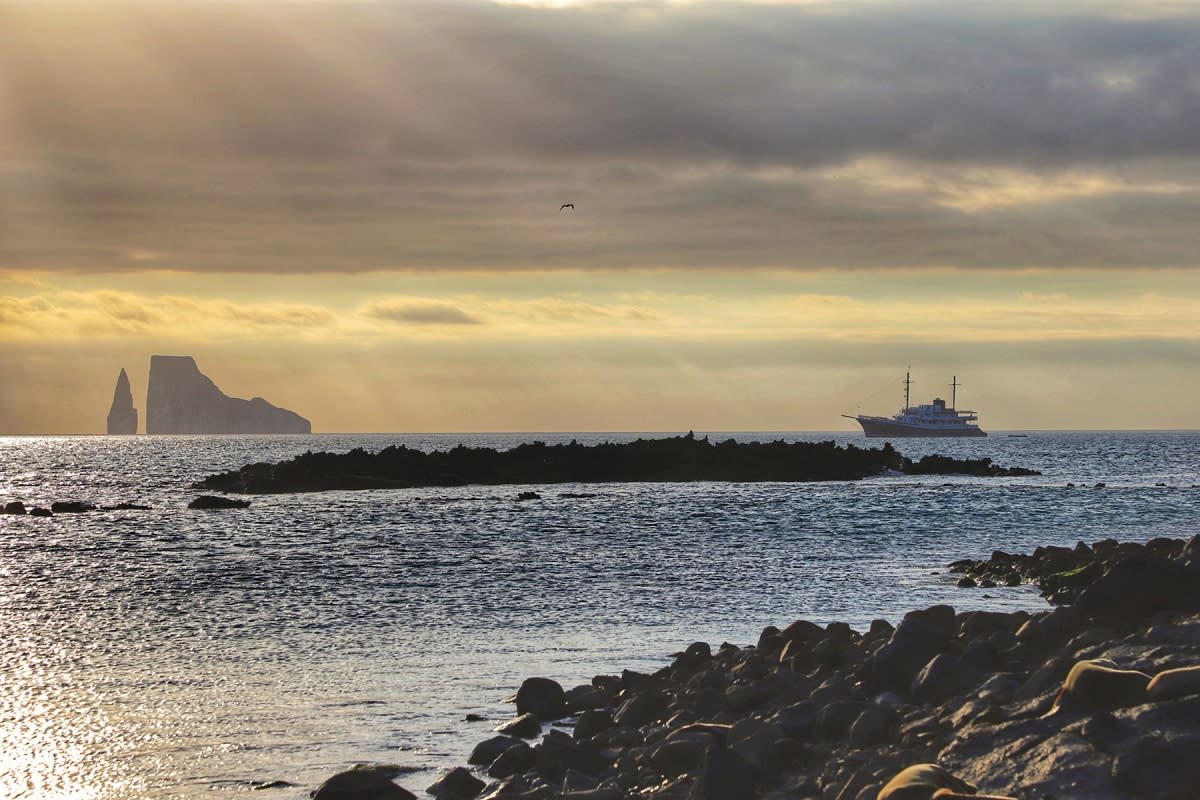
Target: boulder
[363,783]
[1138,587]
[71,507]
[41,512]
[517,758]
[542,697]
[15,507]
[208,502]
[526,726]
[457,784]
[1159,768]
[489,750]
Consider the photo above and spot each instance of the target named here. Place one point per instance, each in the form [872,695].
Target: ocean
[172,653]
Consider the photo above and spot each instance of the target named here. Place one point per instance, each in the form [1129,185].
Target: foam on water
[175,653]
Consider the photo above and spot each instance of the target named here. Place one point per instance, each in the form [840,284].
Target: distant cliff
[122,416]
[182,399]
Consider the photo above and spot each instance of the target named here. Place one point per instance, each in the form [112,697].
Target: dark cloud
[364,136]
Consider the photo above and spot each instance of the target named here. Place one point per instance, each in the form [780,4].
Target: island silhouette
[670,459]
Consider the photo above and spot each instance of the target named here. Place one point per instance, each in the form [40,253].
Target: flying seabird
[567,205]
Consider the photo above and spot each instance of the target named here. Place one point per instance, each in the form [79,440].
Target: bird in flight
[567,205]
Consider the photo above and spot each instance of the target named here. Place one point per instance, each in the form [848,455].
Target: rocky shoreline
[1098,698]
[671,459]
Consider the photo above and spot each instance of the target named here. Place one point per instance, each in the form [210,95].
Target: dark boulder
[457,784]
[363,783]
[489,750]
[542,697]
[1139,587]
[15,507]
[724,775]
[517,758]
[208,502]
[526,726]
[71,507]
[41,512]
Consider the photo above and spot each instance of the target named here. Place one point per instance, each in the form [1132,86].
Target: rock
[921,781]
[181,399]
[363,783]
[517,758]
[527,726]
[1159,768]
[457,784]
[542,697]
[208,502]
[1092,686]
[15,507]
[591,722]
[529,496]
[125,507]
[1139,587]
[1172,683]
[489,750]
[724,775]
[643,707]
[71,507]
[41,512]
[945,676]
[122,416]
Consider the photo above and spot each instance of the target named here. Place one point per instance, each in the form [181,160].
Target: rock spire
[122,416]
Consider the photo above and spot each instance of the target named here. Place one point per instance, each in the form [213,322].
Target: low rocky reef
[672,459]
[1099,699]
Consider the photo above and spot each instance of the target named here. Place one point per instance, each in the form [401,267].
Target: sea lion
[1172,683]
[1095,686]
[921,781]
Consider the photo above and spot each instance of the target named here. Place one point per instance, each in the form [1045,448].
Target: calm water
[174,653]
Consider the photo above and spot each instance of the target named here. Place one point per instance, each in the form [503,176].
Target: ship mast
[954,384]
[907,383]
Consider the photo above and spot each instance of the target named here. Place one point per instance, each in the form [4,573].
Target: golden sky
[352,209]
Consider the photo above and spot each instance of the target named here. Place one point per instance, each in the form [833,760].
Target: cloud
[351,137]
[418,313]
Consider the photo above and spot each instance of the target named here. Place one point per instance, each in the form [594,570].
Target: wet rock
[363,783]
[457,784]
[208,502]
[71,507]
[529,496]
[15,507]
[526,726]
[517,758]
[41,512]
[489,750]
[542,697]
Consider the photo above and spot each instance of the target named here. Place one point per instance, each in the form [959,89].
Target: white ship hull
[884,428]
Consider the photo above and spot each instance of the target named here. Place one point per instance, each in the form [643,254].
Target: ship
[933,419]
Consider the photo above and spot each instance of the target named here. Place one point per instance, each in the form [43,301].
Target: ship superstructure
[932,419]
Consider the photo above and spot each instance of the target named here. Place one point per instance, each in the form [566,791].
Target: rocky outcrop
[1073,702]
[122,416]
[182,399]
[673,459]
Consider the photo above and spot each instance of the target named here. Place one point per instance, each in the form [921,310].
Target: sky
[352,209]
